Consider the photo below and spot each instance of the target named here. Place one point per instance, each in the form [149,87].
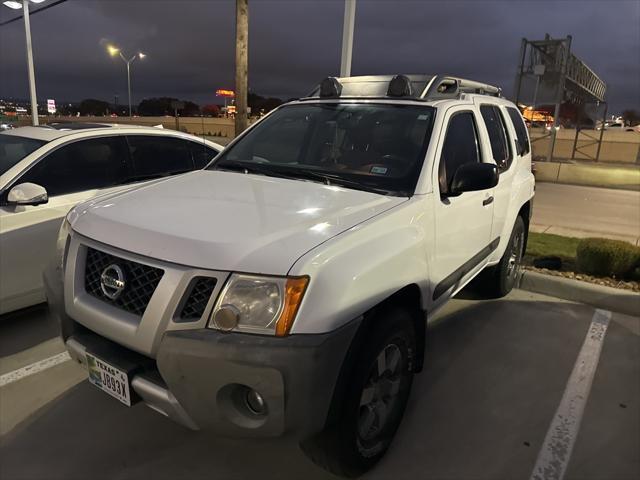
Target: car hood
[226,220]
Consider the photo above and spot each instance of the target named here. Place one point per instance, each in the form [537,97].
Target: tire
[368,413]
[500,279]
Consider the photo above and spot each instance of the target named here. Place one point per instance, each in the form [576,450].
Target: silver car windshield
[375,147]
[14,148]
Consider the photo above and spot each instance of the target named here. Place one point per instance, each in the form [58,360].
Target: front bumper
[198,377]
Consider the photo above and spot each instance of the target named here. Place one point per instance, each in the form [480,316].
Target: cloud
[293,44]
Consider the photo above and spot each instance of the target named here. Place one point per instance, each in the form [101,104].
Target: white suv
[286,287]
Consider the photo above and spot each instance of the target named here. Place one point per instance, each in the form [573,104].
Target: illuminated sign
[225,93]
[51,106]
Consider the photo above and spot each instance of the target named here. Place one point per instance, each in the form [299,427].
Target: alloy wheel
[380,394]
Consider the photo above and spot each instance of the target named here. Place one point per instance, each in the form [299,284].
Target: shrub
[604,257]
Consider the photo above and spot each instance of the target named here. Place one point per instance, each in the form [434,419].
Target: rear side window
[155,156]
[202,154]
[82,165]
[521,131]
[497,135]
[460,147]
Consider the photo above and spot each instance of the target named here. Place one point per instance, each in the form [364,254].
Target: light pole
[24,5]
[347,37]
[113,51]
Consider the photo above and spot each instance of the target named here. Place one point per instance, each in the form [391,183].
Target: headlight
[257,304]
[62,245]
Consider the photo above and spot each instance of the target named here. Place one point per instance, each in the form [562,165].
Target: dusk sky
[294,43]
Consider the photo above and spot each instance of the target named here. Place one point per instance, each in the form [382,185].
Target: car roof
[76,125]
[54,131]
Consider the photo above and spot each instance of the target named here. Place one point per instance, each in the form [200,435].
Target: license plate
[109,378]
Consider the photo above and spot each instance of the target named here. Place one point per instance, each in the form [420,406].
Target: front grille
[140,281]
[201,290]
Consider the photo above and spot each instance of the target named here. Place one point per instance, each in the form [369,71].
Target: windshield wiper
[332,179]
[298,174]
[253,167]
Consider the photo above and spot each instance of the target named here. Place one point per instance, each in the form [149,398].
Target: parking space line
[34,368]
[555,453]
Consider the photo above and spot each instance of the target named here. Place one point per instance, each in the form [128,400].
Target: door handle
[487,201]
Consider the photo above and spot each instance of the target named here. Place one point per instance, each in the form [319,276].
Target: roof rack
[442,86]
[416,87]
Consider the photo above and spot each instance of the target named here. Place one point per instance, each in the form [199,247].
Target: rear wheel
[371,408]
[500,279]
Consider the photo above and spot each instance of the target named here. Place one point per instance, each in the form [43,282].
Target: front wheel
[370,411]
[500,279]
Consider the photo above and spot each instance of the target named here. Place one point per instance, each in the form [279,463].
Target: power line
[33,12]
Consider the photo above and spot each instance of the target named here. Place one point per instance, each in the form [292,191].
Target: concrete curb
[588,174]
[608,298]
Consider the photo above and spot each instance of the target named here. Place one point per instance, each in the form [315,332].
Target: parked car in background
[45,171]
[620,127]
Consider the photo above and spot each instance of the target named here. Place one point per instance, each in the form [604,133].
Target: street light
[24,5]
[113,51]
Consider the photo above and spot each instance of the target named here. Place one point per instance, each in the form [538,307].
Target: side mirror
[27,194]
[471,177]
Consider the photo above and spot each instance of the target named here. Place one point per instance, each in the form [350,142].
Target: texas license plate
[109,378]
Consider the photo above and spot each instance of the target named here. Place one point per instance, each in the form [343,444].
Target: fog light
[255,402]
[226,319]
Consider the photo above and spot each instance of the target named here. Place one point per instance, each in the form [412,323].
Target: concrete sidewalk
[575,211]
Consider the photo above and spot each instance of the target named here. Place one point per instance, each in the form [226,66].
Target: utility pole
[347,37]
[242,63]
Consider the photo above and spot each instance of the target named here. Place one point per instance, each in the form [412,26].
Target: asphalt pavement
[581,212]
[497,374]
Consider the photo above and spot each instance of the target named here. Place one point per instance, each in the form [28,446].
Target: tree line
[161,106]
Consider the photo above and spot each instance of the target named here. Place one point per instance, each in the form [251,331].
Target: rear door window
[522,139]
[498,137]
[202,154]
[83,165]
[156,156]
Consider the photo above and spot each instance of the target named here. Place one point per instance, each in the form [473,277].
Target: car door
[71,174]
[462,222]
[502,151]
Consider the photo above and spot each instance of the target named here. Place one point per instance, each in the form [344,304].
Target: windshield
[14,148]
[374,147]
